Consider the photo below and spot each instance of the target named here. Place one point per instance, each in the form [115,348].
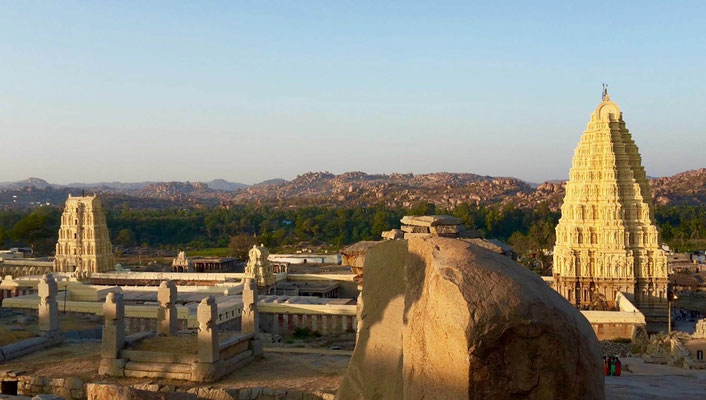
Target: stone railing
[609,325]
[322,277]
[177,276]
[213,358]
[48,321]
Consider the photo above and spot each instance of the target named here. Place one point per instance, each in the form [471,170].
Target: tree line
[529,230]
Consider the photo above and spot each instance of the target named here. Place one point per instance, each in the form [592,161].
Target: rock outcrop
[97,391]
[445,319]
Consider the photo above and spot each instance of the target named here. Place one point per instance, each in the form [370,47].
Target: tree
[39,227]
[382,221]
[240,245]
[422,208]
[125,238]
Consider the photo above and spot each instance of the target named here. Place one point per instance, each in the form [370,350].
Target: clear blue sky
[247,91]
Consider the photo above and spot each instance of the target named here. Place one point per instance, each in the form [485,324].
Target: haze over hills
[443,189]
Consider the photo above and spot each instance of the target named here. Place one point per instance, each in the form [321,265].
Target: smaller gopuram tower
[260,269]
[84,245]
[606,239]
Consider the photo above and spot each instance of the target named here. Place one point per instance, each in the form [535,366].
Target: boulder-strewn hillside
[351,188]
[684,188]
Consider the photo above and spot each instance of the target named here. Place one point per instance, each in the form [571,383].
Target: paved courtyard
[651,381]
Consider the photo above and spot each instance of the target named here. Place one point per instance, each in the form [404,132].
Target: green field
[208,252]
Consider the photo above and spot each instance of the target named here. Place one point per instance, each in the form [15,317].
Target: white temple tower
[84,245]
[606,239]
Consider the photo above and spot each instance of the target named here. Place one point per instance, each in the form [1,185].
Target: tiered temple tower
[606,239]
[84,245]
[260,270]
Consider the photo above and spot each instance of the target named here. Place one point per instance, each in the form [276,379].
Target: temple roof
[607,110]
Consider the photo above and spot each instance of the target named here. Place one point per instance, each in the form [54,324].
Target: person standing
[612,366]
[618,366]
[606,367]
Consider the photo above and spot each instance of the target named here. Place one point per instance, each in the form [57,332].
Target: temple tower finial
[606,97]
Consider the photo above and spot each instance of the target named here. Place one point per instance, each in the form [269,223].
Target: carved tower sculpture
[84,245]
[606,239]
[259,269]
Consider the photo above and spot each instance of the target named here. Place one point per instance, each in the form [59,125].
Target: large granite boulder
[445,319]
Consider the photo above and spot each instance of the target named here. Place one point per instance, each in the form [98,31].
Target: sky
[248,91]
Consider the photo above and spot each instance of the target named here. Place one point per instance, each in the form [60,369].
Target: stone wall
[284,324]
[68,388]
[97,391]
[75,389]
[611,325]
[9,293]
[613,331]
[348,288]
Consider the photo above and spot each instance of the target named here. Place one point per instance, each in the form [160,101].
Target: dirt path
[306,372]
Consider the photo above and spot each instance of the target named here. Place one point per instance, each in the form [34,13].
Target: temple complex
[84,244]
[606,239]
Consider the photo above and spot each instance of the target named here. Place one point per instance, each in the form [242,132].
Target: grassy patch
[168,344]
[7,336]
[305,333]
[208,252]
[182,344]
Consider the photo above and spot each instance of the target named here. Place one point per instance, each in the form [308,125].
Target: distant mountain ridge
[216,184]
[444,189]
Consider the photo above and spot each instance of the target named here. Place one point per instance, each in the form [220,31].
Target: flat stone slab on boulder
[392,234]
[430,220]
[445,319]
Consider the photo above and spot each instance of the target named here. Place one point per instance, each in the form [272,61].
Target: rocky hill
[444,189]
[684,188]
[394,190]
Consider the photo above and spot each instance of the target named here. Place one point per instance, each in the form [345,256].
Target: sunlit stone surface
[606,239]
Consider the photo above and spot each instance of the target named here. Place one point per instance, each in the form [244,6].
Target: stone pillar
[250,322]
[167,321]
[207,314]
[48,308]
[359,308]
[114,329]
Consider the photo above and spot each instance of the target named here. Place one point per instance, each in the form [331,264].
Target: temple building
[606,239]
[84,245]
[260,269]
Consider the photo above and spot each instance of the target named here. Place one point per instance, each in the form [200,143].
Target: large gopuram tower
[84,245]
[606,239]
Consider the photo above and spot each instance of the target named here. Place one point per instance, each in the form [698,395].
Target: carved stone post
[113,336]
[207,314]
[359,306]
[250,321]
[167,322]
[114,329]
[48,308]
